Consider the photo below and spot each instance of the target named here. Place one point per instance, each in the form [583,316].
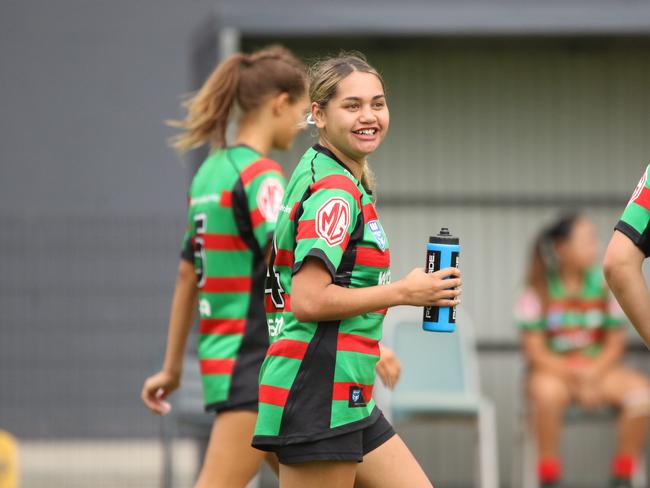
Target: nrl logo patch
[332,221]
[356,397]
[378,233]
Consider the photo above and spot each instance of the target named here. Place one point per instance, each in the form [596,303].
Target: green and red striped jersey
[234,202]
[635,221]
[571,323]
[317,378]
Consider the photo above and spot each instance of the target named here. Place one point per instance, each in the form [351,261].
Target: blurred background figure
[573,341]
[233,206]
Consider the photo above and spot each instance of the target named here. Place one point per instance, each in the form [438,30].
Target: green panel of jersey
[317,378]
[635,221]
[234,200]
[571,323]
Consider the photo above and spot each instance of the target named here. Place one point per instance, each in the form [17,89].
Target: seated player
[573,340]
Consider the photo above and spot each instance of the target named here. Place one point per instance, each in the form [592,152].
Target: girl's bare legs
[391,465]
[548,396]
[630,391]
[318,474]
[230,460]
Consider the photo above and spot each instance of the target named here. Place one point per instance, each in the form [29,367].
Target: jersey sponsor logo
[332,221]
[275,326]
[211,198]
[356,397]
[269,199]
[639,188]
[378,233]
[384,278]
[205,310]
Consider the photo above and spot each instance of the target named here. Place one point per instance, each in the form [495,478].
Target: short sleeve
[264,185]
[528,311]
[325,224]
[635,221]
[187,246]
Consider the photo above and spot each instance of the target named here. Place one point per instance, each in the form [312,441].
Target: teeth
[366,132]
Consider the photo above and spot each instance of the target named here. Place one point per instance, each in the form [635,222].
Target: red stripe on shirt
[369,212]
[217,366]
[357,343]
[337,182]
[295,208]
[341,391]
[270,307]
[257,218]
[222,326]
[367,256]
[577,304]
[644,198]
[238,284]
[283,258]
[273,395]
[257,168]
[383,311]
[223,242]
[288,348]
[306,230]
[226,199]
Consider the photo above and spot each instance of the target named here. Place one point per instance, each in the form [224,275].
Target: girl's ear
[280,102]
[317,115]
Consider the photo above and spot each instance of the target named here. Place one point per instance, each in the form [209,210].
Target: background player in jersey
[234,200]
[627,250]
[573,341]
[327,294]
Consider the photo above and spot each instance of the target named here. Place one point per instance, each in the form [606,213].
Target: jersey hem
[216,407]
[268,442]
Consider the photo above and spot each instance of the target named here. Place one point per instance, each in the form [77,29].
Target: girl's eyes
[356,106]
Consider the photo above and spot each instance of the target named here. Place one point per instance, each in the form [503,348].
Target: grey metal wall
[91,208]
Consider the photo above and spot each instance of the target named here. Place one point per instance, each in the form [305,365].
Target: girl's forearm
[336,302]
[181,316]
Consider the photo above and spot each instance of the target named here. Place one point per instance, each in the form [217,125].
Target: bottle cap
[444,237]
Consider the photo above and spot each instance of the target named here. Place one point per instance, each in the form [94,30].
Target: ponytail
[242,80]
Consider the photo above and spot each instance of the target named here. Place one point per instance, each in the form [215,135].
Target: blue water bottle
[443,251]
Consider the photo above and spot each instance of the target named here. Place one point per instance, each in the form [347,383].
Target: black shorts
[346,447]
[227,406]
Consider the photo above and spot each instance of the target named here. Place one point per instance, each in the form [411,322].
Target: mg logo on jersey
[269,199]
[332,221]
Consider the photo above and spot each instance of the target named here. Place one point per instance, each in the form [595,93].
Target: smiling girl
[328,290]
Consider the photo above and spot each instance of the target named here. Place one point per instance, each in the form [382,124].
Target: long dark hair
[543,257]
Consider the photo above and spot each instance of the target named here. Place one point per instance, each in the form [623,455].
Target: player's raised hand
[441,288]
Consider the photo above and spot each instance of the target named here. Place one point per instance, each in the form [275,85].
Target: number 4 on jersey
[273,286]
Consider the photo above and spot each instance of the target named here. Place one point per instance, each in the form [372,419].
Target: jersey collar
[325,151]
